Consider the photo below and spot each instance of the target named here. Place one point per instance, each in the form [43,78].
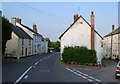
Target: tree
[6,33]
[55,45]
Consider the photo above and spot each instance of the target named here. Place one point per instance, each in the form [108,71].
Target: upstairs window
[29,42]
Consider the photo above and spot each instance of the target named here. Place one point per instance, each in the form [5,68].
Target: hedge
[79,54]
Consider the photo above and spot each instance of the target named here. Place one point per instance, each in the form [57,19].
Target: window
[22,41]
[101,44]
[29,42]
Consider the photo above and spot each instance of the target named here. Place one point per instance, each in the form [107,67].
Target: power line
[42,12]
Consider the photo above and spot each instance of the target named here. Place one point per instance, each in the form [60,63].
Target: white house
[38,42]
[111,44]
[21,43]
[44,46]
[81,33]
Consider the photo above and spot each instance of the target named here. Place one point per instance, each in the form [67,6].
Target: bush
[78,55]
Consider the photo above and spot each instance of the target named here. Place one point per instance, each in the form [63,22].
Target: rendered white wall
[77,35]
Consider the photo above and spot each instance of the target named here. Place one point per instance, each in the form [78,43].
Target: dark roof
[116,31]
[20,32]
[31,30]
[74,23]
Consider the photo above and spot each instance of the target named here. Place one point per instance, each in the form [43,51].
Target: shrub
[78,54]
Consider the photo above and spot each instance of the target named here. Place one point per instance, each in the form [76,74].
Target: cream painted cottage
[81,33]
[20,45]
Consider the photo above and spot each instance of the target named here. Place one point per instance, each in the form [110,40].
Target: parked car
[117,73]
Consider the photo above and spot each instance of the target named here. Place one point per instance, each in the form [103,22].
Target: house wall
[107,46]
[38,43]
[115,46]
[77,35]
[45,47]
[25,48]
[31,34]
[119,45]
[98,48]
[35,44]
[12,45]
[80,35]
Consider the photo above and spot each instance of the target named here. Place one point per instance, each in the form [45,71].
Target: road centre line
[36,63]
[28,70]
[26,77]
[22,75]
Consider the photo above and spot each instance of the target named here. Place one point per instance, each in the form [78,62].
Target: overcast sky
[53,18]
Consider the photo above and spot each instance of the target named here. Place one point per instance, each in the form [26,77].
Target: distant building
[111,44]
[81,33]
[20,44]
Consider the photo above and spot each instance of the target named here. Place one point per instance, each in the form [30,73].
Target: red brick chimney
[92,31]
[18,20]
[34,28]
[113,28]
[75,17]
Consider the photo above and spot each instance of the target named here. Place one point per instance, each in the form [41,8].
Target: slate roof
[31,30]
[116,31]
[20,32]
[74,23]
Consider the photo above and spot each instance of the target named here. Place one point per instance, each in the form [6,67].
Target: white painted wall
[98,48]
[77,35]
[80,35]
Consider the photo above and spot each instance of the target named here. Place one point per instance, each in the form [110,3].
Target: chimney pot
[34,28]
[75,17]
[18,20]
[13,21]
[113,28]
[92,13]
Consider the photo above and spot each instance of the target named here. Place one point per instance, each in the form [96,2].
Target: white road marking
[22,75]
[91,77]
[98,80]
[41,60]
[85,76]
[79,74]
[28,70]
[26,77]
[90,80]
[36,63]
